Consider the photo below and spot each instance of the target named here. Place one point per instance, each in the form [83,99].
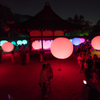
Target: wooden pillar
[30,42]
[42,39]
[53,34]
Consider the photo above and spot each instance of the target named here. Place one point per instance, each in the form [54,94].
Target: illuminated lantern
[7,47]
[13,42]
[2,42]
[36,45]
[61,48]
[24,42]
[76,41]
[82,40]
[96,42]
[19,42]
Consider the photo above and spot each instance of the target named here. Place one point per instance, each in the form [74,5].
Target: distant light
[96,42]
[2,42]
[36,45]
[7,47]
[76,41]
[24,42]
[70,40]
[82,40]
[9,97]
[13,42]
[19,42]
[61,48]
[84,81]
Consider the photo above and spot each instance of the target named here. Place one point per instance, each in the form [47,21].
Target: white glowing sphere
[61,48]
[36,45]
[84,81]
[7,47]
[19,42]
[95,42]
[76,41]
[24,42]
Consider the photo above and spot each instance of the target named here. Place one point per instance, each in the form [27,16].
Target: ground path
[22,81]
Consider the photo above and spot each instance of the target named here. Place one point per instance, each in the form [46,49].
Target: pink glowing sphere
[46,44]
[82,40]
[61,48]
[96,42]
[7,47]
[36,45]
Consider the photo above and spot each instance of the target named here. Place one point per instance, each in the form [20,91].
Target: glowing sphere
[2,42]
[13,42]
[36,45]
[61,48]
[70,40]
[19,42]
[84,81]
[24,42]
[76,41]
[96,42]
[46,44]
[7,47]
[82,40]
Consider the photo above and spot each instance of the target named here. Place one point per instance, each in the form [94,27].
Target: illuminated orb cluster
[38,45]
[19,42]
[95,42]
[61,48]
[7,47]
[76,41]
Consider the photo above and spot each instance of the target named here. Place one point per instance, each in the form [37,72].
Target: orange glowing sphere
[95,42]
[36,45]
[61,48]
[7,47]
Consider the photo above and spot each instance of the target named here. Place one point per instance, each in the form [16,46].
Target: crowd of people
[87,63]
[23,53]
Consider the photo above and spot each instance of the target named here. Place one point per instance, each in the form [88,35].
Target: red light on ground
[7,47]
[96,42]
[36,45]
[61,48]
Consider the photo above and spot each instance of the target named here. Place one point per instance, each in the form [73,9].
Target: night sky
[90,9]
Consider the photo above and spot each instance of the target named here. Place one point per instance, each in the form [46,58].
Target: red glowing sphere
[96,42]
[7,47]
[61,48]
[36,45]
